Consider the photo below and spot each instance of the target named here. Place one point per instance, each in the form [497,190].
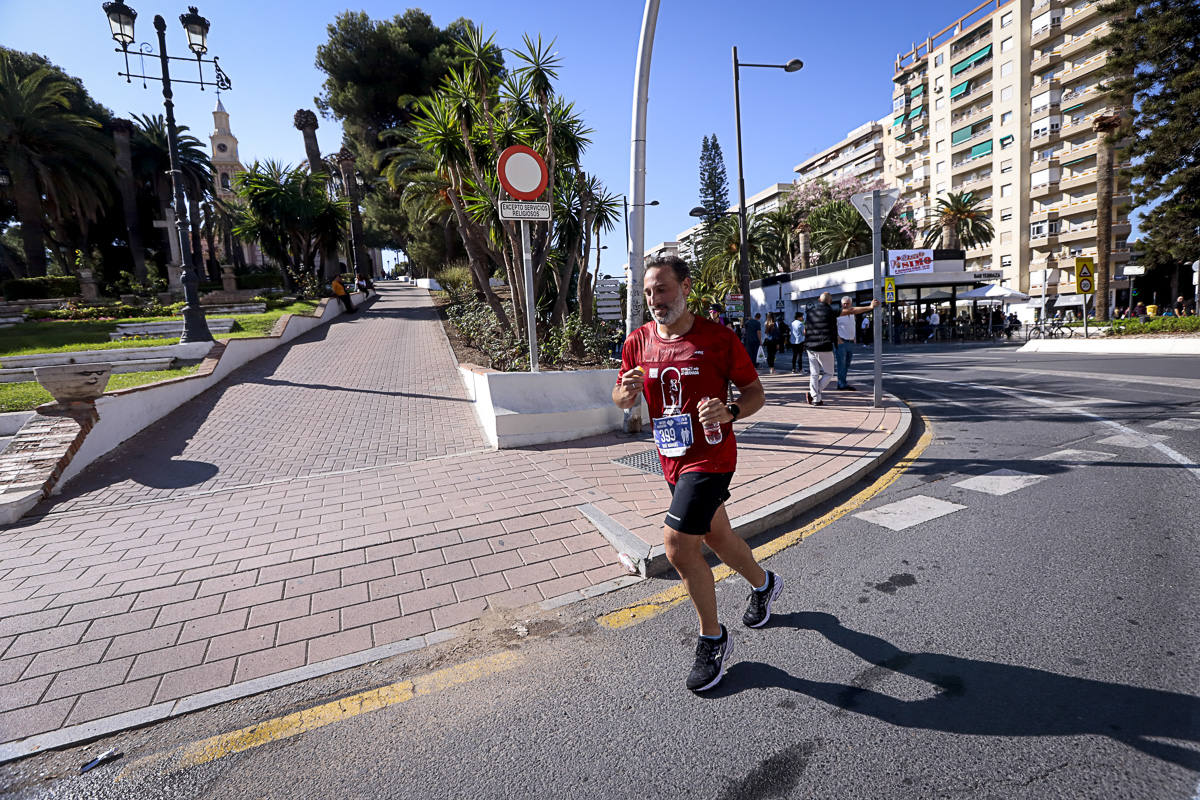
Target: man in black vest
[820,334]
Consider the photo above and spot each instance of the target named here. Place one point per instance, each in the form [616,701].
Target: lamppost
[743,257]
[625,200]
[121,20]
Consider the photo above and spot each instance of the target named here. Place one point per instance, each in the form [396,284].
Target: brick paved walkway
[158,580]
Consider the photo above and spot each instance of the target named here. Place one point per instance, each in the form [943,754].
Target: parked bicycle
[1049,329]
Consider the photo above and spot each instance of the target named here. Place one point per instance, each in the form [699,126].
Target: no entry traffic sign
[522,172]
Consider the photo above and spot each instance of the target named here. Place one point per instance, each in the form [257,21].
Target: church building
[225,165]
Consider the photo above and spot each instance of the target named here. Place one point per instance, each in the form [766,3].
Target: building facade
[226,164]
[1001,103]
[859,155]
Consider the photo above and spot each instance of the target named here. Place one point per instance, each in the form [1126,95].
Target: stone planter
[74,383]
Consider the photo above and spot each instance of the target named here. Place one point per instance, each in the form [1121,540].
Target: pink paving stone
[401,628]
[253,596]
[166,596]
[542,552]
[523,576]
[98,608]
[339,644]
[425,599]
[31,720]
[496,563]
[192,609]
[23,693]
[515,598]
[387,587]
[367,572]
[309,584]
[280,610]
[511,541]
[113,700]
[339,598]
[338,561]
[458,613]
[78,655]
[31,622]
[143,641]
[239,642]
[11,668]
[418,561]
[269,662]
[227,583]
[367,613]
[492,583]
[447,573]
[195,680]
[89,678]
[307,627]
[215,625]
[48,639]
[585,541]
[578,562]
[283,572]
[467,550]
[561,586]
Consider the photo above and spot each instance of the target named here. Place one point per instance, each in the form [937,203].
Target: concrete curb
[652,560]
[1157,346]
[116,723]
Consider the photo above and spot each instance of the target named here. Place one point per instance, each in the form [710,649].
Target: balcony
[969,115]
[1079,16]
[1045,33]
[1045,137]
[973,139]
[1044,241]
[1084,150]
[960,167]
[975,182]
[1077,180]
[868,166]
[1045,60]
[1043,111]
[978,68]
[1044,215]
[1077,44]
[1043,189]
[1088,67]
[972,96]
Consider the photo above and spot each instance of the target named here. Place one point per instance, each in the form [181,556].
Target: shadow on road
[984,698]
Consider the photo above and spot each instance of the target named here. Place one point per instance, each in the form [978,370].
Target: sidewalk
[332,504]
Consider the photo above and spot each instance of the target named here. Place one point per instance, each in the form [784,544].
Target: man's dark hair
[677,265]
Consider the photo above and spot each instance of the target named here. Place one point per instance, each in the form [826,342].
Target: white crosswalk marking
[1078,455]
[1129,440]
[1176,424]
[1001,481]
[908,512]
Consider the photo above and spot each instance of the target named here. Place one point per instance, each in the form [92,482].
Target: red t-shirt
[707,358]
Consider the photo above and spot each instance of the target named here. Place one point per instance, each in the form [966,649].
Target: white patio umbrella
[993,291]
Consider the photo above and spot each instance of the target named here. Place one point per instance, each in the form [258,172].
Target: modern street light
[625,200]
[793,65]
[121,19]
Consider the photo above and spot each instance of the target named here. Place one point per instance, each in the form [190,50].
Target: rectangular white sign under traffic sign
[520,210]
[1135,270]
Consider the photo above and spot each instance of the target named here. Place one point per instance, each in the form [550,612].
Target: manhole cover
[774,430]
[646,461]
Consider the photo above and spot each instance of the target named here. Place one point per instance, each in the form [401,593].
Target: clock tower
[224,152]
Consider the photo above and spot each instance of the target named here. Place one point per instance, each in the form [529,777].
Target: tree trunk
[1103,127]
[950,235]
[122,130]
[29,212]
[197,248]
[474,260]
[804,235]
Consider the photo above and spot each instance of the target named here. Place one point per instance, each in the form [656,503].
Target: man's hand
[629,389]
[875,303]
[713,410]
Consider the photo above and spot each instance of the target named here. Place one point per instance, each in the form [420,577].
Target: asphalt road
[1038,643]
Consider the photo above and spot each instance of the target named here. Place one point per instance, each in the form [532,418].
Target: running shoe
[759,609]
[711,658]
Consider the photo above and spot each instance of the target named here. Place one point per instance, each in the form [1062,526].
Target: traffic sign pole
[876,246]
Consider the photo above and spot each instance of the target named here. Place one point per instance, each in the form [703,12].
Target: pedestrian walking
[683,364]
[797,336]
[772,337]
[339,291]
[934,320]
[820,335]
[752,336]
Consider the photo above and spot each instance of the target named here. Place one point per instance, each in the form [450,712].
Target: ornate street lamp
[121,20]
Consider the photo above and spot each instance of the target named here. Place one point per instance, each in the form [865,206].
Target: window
[939,104]
[939,126]
[938,83]
[1037,230]
[1006,45]
[1006,94]
[1006,117]
[938,59]
[897,103]
[1005,261]
[1006,142]
[1006,69]
[1005,214]
[941,187]
[938,147]
[1006,237]
[1052,226]
[1006,166]
[1006,20]
[1006,190]
[941,166]
[224,180]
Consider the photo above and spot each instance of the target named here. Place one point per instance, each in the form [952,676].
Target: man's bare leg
[733,550]
[685,555]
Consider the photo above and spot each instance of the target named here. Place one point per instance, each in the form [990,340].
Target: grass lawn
[67,335]
[26,396]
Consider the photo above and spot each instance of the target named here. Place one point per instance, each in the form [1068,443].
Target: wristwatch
[735,410]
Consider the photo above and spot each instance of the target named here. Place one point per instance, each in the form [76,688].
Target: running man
[683,365]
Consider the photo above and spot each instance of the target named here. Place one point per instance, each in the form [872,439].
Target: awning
[916,128]
[981,149]
[916,112]
[955,91]
[917,91]
[1072,108]
[897,120]
[971,60]
[1076,161]
[961,135]
[1005,140]
[902,136]
[1069,299]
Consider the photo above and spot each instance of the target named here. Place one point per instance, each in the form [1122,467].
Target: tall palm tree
[960,221]
[57,160]
[780,242]
[838,231]
[720,251]
[152,162]
[1104,127]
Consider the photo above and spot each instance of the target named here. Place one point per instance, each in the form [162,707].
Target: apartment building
[859,155]
[1001,103]
[760,202]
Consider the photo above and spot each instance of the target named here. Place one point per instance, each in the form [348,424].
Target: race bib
[673,434]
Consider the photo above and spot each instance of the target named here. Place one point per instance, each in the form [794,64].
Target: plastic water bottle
[712,430]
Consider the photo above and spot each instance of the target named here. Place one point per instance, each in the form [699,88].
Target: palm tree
[838,231]
[720,250]
[60,163]
[1104,127]
[706,294]
[780,242]
[960,222]
[152,163]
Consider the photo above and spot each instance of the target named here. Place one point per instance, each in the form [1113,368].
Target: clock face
[221,148]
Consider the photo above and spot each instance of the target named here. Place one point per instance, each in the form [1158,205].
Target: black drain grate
[768,430]
[646,461]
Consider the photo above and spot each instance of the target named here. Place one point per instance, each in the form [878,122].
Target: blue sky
[268,48]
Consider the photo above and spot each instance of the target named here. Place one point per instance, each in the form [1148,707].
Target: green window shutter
[1005,140]
[961,135]
[917,91]
[955,91]
[981,149]
[971,60]
[897,120]
[1072,108]
[916,128]
[901,136]
[1076,161]
[916,112]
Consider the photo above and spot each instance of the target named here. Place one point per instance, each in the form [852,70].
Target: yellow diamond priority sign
[1085,271]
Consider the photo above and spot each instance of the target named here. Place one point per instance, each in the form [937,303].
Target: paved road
[1013,617]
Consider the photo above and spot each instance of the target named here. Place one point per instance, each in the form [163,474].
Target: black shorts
[695,500]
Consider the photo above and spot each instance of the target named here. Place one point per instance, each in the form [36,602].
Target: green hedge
[260,280]
[1156,325]
[40,288]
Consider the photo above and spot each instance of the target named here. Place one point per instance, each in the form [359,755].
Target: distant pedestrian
[752,336]
[844,350]
[820,336]
[934,320]
[772,337]
[797,335]
[682,365]
[339,291]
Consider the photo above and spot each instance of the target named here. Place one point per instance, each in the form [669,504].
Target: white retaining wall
[1118,345]
[517,409]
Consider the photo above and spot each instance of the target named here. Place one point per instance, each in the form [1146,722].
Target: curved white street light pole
[637,185]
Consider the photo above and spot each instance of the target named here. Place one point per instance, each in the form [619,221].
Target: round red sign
[522,172]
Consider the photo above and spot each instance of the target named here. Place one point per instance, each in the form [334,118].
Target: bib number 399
[673,434]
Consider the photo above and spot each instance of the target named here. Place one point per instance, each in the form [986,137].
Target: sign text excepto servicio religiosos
[909,262]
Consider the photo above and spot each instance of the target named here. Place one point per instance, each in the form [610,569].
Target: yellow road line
[309,719]
[656,604]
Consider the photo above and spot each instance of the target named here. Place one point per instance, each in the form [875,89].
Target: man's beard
[671,314]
